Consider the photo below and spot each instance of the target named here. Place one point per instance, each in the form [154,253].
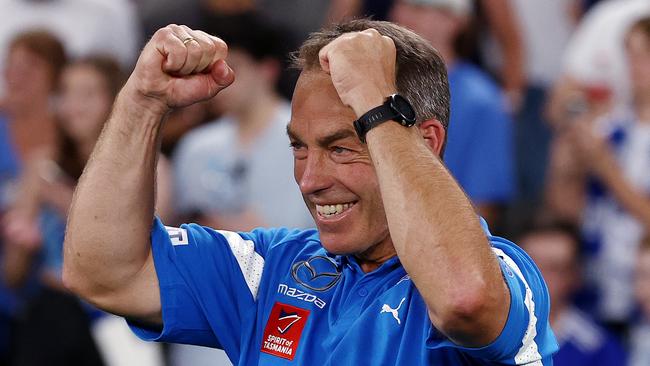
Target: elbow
[472,318]
[74,278]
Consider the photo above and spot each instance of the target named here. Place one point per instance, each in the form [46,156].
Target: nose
[313,174]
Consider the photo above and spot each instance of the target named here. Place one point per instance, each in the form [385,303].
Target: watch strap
[373,118]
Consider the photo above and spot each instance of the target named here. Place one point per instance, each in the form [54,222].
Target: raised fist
[362,68]
[180,66]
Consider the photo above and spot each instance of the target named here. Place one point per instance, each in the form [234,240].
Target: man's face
[554,253]
[334,172]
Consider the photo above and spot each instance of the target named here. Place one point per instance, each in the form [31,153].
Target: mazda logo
[318,273]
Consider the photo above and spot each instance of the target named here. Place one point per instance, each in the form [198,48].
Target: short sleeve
[527,338]
[208,283]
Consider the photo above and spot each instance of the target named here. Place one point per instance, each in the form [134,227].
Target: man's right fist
[178,67]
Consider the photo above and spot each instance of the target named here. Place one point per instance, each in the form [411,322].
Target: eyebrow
[292,135]
[326,140]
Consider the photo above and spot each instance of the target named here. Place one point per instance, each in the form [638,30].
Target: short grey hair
[420,71]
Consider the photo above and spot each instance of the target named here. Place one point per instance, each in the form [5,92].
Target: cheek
[298,169]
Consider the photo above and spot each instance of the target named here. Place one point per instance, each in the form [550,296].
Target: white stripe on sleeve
[250,262]
[528,353]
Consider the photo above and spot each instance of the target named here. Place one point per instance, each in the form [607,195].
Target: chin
[337,244]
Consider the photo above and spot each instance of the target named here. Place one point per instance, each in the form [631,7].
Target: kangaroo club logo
[318,273]
[283,330]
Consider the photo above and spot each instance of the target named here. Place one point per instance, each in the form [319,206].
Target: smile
[333,209]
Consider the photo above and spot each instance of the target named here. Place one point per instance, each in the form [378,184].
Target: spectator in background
[85,27]
[546,27]
[493,16]
[479,145]
[555,249]
[599,179]
[34,226]
[594,60]
[235,172]
[34,63]
[640,335]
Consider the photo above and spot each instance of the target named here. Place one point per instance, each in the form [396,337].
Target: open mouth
[329,211]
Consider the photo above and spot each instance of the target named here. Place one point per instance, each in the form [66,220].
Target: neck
[253,120]
[374,257]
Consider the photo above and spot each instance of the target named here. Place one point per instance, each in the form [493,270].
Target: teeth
[328,210]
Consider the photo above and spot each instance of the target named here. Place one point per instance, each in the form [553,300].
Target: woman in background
[34,226]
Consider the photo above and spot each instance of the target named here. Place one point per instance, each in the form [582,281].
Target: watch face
[403,107]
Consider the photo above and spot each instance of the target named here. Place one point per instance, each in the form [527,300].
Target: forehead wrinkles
[317,110]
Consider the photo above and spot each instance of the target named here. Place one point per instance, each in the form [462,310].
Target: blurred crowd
[549,137]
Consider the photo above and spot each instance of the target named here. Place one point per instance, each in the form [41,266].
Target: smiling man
[400,270]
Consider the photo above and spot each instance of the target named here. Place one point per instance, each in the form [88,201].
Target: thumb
[222,74]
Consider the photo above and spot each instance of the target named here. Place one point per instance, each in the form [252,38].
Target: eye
[299,149]
[339,150]
[341,154]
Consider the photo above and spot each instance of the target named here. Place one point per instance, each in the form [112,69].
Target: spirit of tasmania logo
[283,330]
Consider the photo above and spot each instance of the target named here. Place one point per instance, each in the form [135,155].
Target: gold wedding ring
[188,40]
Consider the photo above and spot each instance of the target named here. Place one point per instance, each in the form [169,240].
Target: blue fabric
[8,158]
[479,151]
[52,226]
[610,353]
[209,297]
[9,163]
[584,343]
[532,141]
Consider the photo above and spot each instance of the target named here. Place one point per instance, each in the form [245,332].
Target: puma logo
[387,309]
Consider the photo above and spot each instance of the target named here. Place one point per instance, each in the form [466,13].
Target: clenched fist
[180,66]
[362,68]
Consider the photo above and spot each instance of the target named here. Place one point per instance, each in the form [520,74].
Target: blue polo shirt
[276,297]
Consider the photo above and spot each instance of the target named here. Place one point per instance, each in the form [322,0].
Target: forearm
[501,17]
[107,239]
[631,198]
[438,237]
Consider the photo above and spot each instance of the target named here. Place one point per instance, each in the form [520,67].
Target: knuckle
[163,32]
[220,44]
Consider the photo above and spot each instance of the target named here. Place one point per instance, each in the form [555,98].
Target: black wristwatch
[395,108]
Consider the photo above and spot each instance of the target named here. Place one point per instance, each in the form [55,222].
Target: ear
[434,134]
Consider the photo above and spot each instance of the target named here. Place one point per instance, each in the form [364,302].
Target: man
[479,150]
[554,246]
[400,271]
